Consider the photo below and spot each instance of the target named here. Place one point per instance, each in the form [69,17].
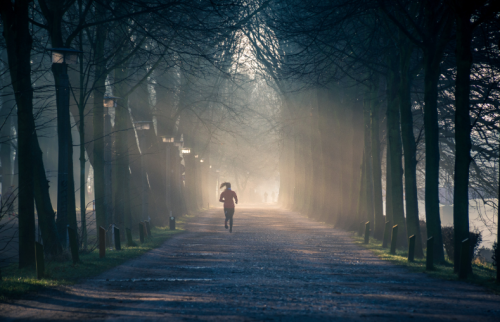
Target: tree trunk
[135,182]
[357,159]
[410,150]
[8,109]
[98,121]
[324,127]
[395,152]
[318,183]
[369,210]
[46,215]
[16,31]
[298,195]
[388,186]
[121,165]
[433,220]
[462,131]
[81,130]
[378,203]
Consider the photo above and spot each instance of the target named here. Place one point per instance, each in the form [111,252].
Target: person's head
[226,184]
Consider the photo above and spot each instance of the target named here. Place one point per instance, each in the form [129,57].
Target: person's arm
[235,197]
[220,199]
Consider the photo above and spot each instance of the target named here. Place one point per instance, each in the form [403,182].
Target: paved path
[275,266]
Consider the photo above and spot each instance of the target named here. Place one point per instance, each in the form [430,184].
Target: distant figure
[227,197]
[265,196]
[272,196]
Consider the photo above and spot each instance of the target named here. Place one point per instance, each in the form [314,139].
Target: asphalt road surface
[275,266]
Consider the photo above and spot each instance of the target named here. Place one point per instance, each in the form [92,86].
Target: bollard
[73,245]
[463,269]
[172,223]
[429,261]
[367,232]
[145,230]
[130,241]
[40,261]
[148,227]
[141,232]
[118,243]
[394,239]
[411,249]
[387,231]
[102,242]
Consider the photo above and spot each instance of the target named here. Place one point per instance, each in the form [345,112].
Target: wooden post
[73,244]
[102,242]
[411,249]
[148,227]
[146,235]
[367,232]
[40,261]
[429,261]
[141,232]
[463,268]
[118,244]
[172,223]
[387,232]
[130,241]
[394,239]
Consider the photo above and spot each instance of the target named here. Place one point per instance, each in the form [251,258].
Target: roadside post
[429,261]
[118,244]
[141,233]
[73,244]
[172,222]
[102,242]
[463,269]
[411,248]
[367,232]
[40,261]
[394,239]
[130,241]
[387,231]
[148,227]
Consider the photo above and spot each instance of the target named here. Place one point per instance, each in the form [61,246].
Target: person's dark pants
[229,212]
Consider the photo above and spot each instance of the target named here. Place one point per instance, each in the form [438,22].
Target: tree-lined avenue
[277,265]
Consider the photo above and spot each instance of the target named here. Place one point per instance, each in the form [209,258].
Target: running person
[227,198]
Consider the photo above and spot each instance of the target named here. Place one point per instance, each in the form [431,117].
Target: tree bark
[318,168]
[395,152]
[16,31]
[437,35]
[368,166]
[463,14]
[388,186]
[378,202]
[46,215]
[121,165]
[98,121]
[410,150]
[433,220]
[357,159]
[8,109]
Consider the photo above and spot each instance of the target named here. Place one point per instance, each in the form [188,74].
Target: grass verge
[17,282]
[483,274]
